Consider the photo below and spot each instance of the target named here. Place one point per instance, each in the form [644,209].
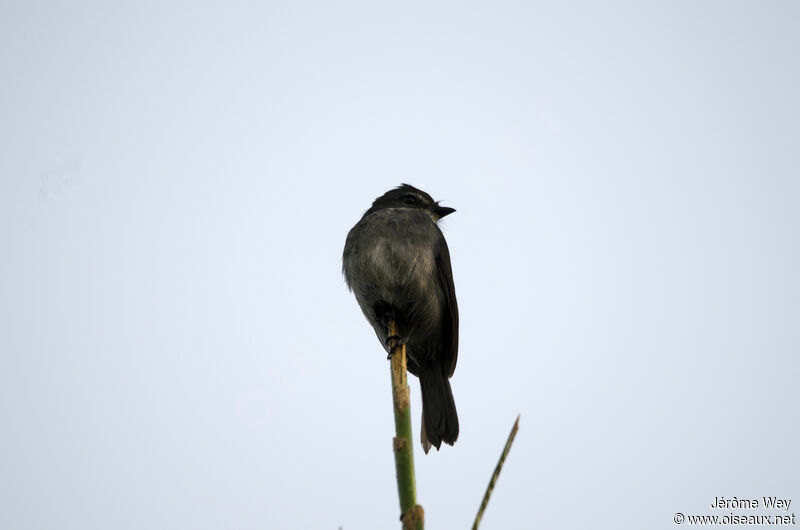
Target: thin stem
[412,514]
[496,474]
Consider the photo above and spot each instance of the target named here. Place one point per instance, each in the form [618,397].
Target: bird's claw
[399,343]
[390,338]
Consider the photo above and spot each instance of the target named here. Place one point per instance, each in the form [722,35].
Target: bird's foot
[398,343]
[390,338]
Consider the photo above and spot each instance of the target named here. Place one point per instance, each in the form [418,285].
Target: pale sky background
[178,349]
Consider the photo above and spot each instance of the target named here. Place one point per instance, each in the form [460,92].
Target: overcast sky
[178,349]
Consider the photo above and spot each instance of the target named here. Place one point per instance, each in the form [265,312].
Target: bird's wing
[450,309]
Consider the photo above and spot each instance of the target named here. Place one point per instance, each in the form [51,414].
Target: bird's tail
[439,417]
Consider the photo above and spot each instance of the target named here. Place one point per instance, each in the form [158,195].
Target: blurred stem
[496,474]
[412,514]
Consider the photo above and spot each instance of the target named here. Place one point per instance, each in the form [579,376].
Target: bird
[397,264]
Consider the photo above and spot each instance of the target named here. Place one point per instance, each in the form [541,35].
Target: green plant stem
[496,474]
[412,514]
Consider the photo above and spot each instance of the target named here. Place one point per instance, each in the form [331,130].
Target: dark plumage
[397,264]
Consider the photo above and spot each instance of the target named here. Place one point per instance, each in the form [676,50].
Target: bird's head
[406,196]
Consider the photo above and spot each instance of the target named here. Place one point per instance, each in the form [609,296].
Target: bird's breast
[395,253]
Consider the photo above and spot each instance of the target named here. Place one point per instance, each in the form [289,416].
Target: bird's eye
[410,199]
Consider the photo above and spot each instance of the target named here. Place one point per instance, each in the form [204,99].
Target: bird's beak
[441,211]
